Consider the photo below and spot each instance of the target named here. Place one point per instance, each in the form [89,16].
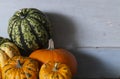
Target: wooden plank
[78,23]
[97,62]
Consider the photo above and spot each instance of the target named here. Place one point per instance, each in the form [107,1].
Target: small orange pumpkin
[54,70]
[58,55]
[20,67]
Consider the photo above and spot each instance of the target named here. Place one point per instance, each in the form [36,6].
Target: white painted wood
[97,62]
[91,23]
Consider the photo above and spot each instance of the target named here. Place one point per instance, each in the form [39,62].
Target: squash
[55,70]
[58,55]
[29,29]
[7,50]
[0,74]
[20,67]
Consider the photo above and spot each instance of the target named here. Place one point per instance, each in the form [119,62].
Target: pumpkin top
[3,40]
[23,67]
[22,13]
[55,70]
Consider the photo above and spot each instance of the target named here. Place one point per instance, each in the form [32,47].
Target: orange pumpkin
[20,67]
[58,55]
[55,70]
[0,74]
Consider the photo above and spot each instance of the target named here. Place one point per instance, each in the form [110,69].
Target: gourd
[20,67]
[57,55]
[29,29]
[55,70]
[0,74]
[7,50]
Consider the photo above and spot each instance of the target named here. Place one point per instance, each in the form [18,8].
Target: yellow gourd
[55,70]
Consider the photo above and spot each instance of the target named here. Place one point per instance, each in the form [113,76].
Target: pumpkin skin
[29,29]
[0,74]
[56,55]
[20,67]
[54,70]
[7,50]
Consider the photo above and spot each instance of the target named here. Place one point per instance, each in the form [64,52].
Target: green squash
[2,40]
[29,29]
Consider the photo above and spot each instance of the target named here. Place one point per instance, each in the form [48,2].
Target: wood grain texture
[77,23]
[97,62]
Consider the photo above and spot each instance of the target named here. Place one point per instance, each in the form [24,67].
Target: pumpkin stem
[51,44]
[18,64]
[55,67]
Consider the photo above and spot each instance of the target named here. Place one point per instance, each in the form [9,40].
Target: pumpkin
[20,67]
[7,50]
[55,70]
[0,74]
[58,55]
[29,29]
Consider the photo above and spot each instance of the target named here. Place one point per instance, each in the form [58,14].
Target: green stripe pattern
[29,29]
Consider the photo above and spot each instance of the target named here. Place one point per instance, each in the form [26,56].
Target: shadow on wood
[63,30]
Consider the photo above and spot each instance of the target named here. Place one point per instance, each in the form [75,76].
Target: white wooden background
[90,29]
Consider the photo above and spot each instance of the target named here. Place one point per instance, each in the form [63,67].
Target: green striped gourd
[29,29]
